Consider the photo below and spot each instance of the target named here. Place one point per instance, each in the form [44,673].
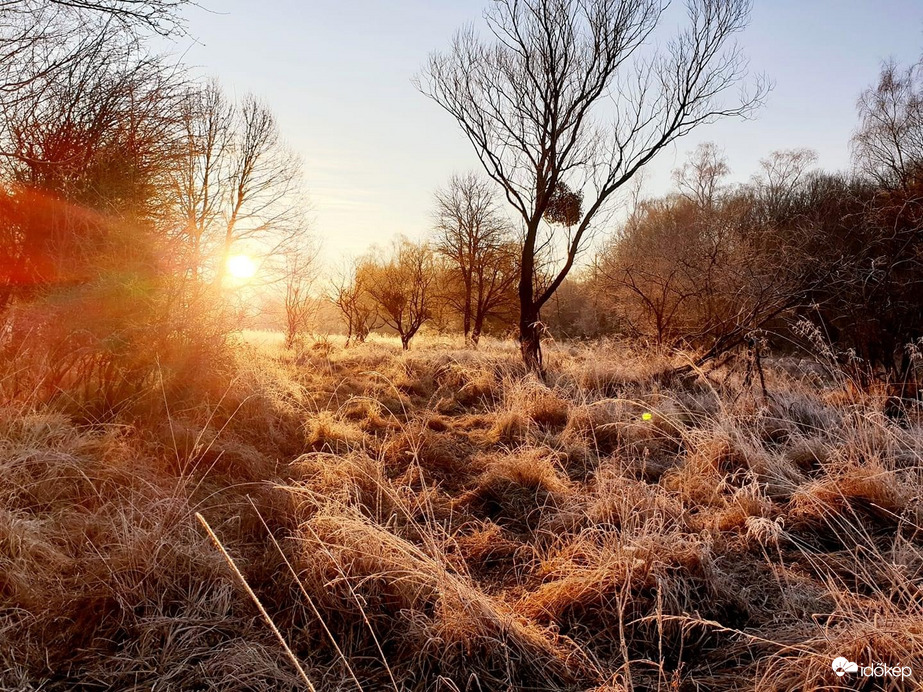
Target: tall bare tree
[888,144]
[201,175]
[237,182]
[477,243]
[529,99]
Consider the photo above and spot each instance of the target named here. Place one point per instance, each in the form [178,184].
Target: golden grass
[438,520]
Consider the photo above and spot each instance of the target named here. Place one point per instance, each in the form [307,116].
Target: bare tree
[778,183]
[476,242]
[237,181]
[160,16]
[100,137]
[201,176]
[85,158]
[645,269]
[70,136]
[528,101]
[699,179]
[888,144]
[401,285]
[40,39]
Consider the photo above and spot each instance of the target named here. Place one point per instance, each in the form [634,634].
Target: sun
[241,267]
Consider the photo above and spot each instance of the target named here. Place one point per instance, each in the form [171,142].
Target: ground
[439,520]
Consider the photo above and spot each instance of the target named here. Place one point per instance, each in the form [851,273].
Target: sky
[337,74]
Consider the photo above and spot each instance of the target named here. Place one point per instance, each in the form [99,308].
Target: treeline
[125,186]
[793,255]
[459,280]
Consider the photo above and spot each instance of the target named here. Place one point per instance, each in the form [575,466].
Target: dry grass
[443,522]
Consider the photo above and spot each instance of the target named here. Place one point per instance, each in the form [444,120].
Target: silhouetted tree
[236,181]
[527,100]
[42,39]
[160,16]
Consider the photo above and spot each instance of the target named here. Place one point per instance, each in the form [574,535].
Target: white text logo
[842,665]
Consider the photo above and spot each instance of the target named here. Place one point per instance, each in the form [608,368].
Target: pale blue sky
[337,74]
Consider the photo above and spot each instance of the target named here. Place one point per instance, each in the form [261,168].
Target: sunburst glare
[241,267]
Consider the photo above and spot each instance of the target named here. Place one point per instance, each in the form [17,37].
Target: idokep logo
[842,666]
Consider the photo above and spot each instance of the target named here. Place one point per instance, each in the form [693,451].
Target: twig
[243,581]
[307,597]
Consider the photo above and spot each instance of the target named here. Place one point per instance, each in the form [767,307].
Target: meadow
[622,408]
[439,519]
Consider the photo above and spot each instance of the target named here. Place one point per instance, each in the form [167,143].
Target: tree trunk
[476,332]
[530,339]
[405,342]
[222,269]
